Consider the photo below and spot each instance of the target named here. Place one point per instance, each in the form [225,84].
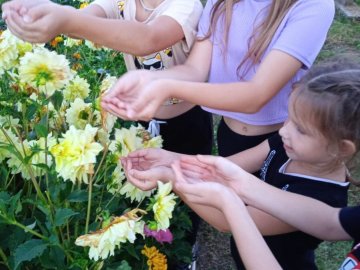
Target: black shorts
[229,142]
[189,133]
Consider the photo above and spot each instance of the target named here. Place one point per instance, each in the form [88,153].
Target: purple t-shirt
[301,34]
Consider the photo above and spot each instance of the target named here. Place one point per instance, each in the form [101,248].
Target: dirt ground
[214,249]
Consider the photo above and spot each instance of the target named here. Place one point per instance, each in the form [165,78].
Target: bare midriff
[250,130]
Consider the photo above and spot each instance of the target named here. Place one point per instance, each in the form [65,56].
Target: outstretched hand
[145,167]
[214,169]
[196,191]
[35,21]
[137,95]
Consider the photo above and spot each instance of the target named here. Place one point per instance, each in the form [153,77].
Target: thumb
[33,14]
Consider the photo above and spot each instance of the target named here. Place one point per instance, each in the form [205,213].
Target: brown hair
[262,34]
[331,95]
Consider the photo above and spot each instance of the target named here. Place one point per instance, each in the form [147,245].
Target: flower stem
[89,205]
[4,258]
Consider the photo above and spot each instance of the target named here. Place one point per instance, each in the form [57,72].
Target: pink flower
[162,236]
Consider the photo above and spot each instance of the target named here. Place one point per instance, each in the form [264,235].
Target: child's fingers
[143,179]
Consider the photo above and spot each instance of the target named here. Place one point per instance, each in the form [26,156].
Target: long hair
[263,33]
[328,96]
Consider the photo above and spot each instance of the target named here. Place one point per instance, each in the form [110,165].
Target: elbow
[222,229]
[150,44]
[254,107]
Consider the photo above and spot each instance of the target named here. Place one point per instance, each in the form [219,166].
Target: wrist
[245,187]
[67,23]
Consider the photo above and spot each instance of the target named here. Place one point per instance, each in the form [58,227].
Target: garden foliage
[64,199]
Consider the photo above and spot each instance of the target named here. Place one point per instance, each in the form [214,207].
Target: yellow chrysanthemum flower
[45,70]
[107,83]
[75,154]
[134,193]
[71,42]
[80,114]
[83,5]
[126,141]
[102,243]
[8,51]
[76,88]
[164,205]
[156,260]
[56,41]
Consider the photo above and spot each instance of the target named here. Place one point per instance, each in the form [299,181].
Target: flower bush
[64,199]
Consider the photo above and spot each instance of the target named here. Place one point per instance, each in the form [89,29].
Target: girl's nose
[283,129]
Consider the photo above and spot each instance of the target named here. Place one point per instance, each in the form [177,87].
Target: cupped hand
[214,169]
[146,177]
[196,191]
[39,23]
[20,6]
[137,95]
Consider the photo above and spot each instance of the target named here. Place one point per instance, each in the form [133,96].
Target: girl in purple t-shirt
[242,66]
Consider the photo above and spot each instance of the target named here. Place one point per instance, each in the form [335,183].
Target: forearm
[210,214]
[250,243]
[295,210]
[127,36]
[237,97]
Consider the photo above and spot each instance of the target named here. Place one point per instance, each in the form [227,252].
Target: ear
[347,148]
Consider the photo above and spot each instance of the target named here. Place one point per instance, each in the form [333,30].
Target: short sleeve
[187,13]
[110,8]
[350,220]
[204,22]
[305,30]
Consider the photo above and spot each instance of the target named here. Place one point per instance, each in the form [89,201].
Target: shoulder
[321,8]
[350,220]
[323,5]
[188,6]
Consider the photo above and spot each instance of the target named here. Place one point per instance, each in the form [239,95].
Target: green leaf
[41,130]
[62,215]
[57,99]
[78,196]
[30,111]
[28,251]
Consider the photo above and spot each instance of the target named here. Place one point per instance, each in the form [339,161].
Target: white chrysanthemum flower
[107,83]
[8,51]
[40,157]
[126,141]
[155,142]
[80,114]
[8,121]
[91,45]
[75,154]
[122,229]
[164,205]
[134,193]
[45,70]
[76,88]
[116,180]
[7,137]
[71,42]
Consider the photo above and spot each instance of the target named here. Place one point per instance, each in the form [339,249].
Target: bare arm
[139,94]
[299,210]
[249,241]
[251,159]
[49,19]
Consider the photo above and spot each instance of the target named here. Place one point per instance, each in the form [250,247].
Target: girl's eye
[300,130]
